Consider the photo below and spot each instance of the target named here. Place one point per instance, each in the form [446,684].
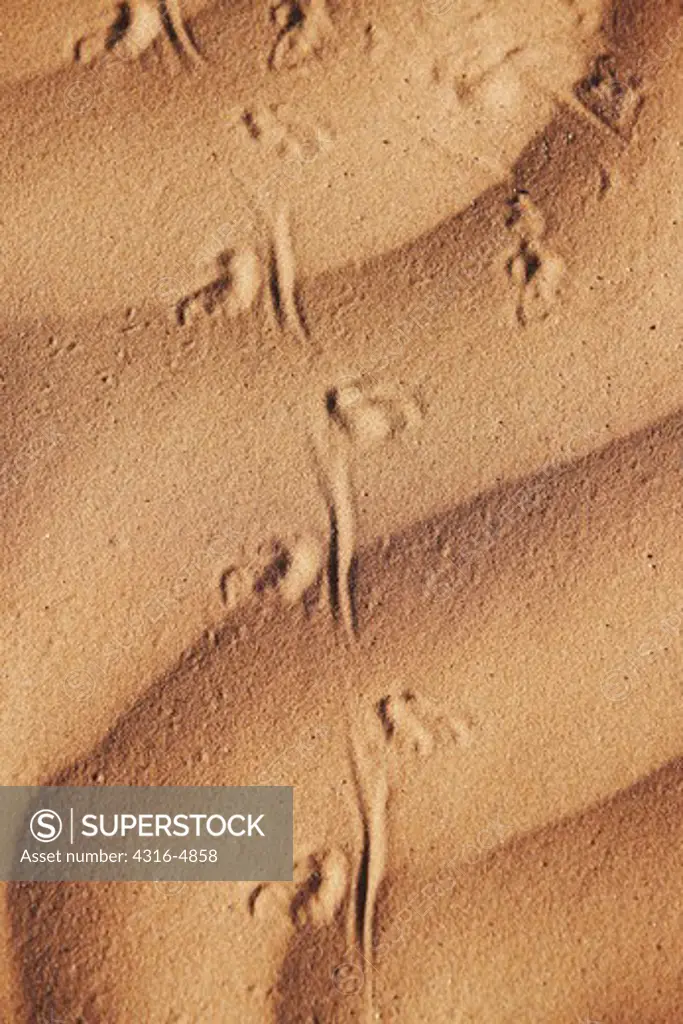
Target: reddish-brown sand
[381,309]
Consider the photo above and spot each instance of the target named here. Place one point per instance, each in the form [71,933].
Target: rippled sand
[348,340]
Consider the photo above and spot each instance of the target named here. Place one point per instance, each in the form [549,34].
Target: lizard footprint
[314,897]
[124,31]
[371,414]
[414,721]
[127,29]
[233,290]
[288,569]
[614,101]
[535,272]
[303,28]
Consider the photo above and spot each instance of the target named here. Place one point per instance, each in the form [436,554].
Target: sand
[438,349]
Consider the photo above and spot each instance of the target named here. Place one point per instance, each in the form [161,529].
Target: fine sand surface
[492,690]
[141,455]
[341,355]
[154,174]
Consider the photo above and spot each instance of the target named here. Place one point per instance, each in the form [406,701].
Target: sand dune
[237,139]
[499,682]
[579,922]
[135,462]
[341,357]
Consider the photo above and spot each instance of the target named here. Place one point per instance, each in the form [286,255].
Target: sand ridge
[237,138]
[257,369]
[449,726]
[490,394]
